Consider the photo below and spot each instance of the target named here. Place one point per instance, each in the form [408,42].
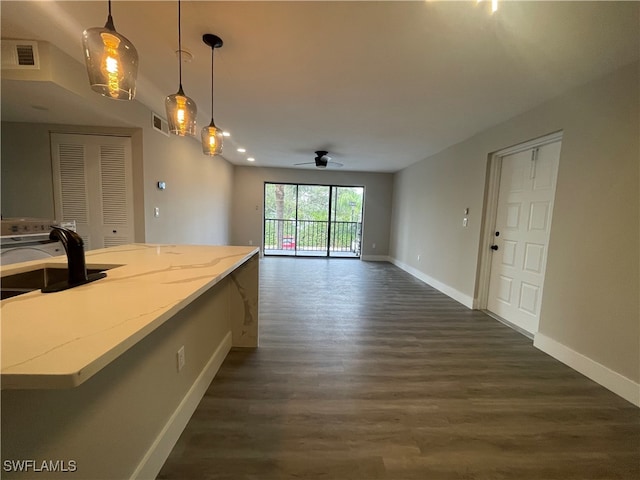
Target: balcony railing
[312,236]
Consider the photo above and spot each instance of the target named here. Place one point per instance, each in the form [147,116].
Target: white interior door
[92,176]
[523,222]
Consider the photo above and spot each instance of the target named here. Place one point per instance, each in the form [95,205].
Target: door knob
[494,247]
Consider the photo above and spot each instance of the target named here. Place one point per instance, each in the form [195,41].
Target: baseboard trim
[618,384]
[159,451]
[458,296]
[374,258]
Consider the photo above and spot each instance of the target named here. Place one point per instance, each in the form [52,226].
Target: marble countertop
[59,340]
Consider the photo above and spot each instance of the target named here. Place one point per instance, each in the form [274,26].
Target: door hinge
[534,158]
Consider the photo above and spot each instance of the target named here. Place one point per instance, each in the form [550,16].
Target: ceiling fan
[321,160]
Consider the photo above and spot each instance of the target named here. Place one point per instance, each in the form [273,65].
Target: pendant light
[112,61]
[181,110]
[212,135]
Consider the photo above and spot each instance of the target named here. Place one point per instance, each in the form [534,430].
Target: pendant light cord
[109,24]
[179,45]
[212,49]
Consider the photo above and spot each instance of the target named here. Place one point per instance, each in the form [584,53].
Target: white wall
[592,289]
[27,186]
[195,208]
[248,202]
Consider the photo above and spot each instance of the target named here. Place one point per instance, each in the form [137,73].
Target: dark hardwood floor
[365,373]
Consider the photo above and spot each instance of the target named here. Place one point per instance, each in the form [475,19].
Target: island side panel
[244,300]
[107,425]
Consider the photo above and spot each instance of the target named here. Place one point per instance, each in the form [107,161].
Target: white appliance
[24,239]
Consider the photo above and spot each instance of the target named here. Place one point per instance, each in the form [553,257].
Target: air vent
[159,124]
[20,54]
[25,55]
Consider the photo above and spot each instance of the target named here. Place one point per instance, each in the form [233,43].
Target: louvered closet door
[93,186]
[116,194]
[70,186]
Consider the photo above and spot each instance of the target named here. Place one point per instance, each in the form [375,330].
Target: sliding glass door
[280,214]
[312,220]
[346,221]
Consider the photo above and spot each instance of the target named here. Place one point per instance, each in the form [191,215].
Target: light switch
[156,212]
[465,222]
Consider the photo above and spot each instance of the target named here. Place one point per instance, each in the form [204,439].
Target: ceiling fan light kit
[181,110]
[321,161]
[111,61]
[212,136]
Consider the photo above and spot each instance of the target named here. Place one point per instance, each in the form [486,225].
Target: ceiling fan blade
[335,164]
[305,163]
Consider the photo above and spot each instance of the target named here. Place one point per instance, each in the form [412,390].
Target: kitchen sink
[25,282]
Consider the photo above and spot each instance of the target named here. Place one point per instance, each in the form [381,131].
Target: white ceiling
[380,85]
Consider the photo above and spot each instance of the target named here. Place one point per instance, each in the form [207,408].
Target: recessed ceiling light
[251,159]
[242,150]
[226,134]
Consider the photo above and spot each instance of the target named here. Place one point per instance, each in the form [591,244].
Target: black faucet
[74,247]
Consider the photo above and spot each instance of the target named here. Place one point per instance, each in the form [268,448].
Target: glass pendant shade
[212,140]
[181,110]
[181,114]
[112,62]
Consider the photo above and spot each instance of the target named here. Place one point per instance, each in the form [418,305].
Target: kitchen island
[95,375]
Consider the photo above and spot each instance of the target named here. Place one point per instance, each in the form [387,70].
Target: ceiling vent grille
[25,55]
[20,54]
[159,124]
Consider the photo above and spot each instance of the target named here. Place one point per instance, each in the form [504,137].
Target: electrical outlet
[250,242]
[181,359]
